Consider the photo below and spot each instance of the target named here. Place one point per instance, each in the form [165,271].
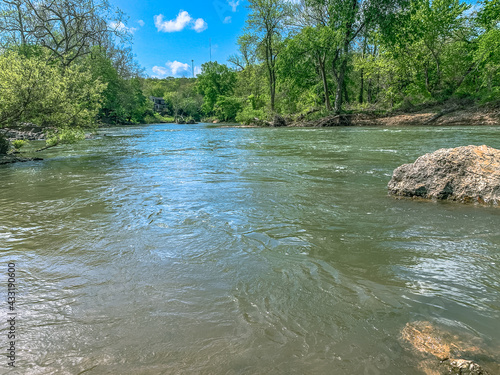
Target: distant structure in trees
[159,104]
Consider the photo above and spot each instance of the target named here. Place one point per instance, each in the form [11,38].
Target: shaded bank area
[436,115]
[11,159]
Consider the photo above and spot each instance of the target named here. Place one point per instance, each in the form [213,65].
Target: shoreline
[433,116]
[11,159]
[448,114]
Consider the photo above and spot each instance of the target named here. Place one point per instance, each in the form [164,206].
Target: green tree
[68,28]
[433,43]
[183,99]
[214,81]
[304,60]
[347,19]
[36,90]
[123,99]
[265,29]
[226,108]
[487,56]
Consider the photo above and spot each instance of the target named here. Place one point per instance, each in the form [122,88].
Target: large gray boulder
[466,174]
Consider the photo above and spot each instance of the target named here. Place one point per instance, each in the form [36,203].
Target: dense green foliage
[294,58]
[182,99]
[377,54]
[61,70]
[34,89]
[123,98]
[214,82]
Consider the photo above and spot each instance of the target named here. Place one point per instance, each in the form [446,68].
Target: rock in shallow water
[431,341]
[465,367]
[466,174]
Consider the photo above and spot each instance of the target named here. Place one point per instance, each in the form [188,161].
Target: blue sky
[167,35]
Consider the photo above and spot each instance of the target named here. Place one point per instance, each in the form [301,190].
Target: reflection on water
[184,249]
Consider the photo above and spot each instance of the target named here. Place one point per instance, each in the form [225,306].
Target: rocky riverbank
[436,115]
[26,132]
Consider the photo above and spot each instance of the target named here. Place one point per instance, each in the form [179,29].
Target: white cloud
[141,22]
[160,72]
[227,19]
[233,4]
[182,21]
[200,25]
[120,27]
[175,69]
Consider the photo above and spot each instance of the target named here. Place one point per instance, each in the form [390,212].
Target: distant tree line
[332,56]
[63,64]
[351,55]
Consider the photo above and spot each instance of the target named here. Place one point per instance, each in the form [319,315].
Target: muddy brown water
[189,249]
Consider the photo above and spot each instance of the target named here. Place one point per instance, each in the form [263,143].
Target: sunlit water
[187,249]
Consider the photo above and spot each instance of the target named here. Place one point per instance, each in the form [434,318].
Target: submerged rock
[424,338]
[466,174]
[464,366]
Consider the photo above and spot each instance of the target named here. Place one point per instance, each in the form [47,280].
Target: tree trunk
[272,87]
[338,91]
[362,76]
[21,24]
[369,94]
[427,81]
[361,88]
[270,69]
[345,96]
[325,84]
[341,80]
[273,96]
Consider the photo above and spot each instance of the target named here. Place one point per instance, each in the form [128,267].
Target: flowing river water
[190,249]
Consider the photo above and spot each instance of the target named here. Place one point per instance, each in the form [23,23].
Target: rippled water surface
[187,249]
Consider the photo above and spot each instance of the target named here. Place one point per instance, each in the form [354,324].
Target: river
[192,249]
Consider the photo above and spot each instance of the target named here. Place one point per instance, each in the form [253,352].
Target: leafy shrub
[19,143]
[227,107]
[64,136]
[248,116]
[156,118]
[36,90]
